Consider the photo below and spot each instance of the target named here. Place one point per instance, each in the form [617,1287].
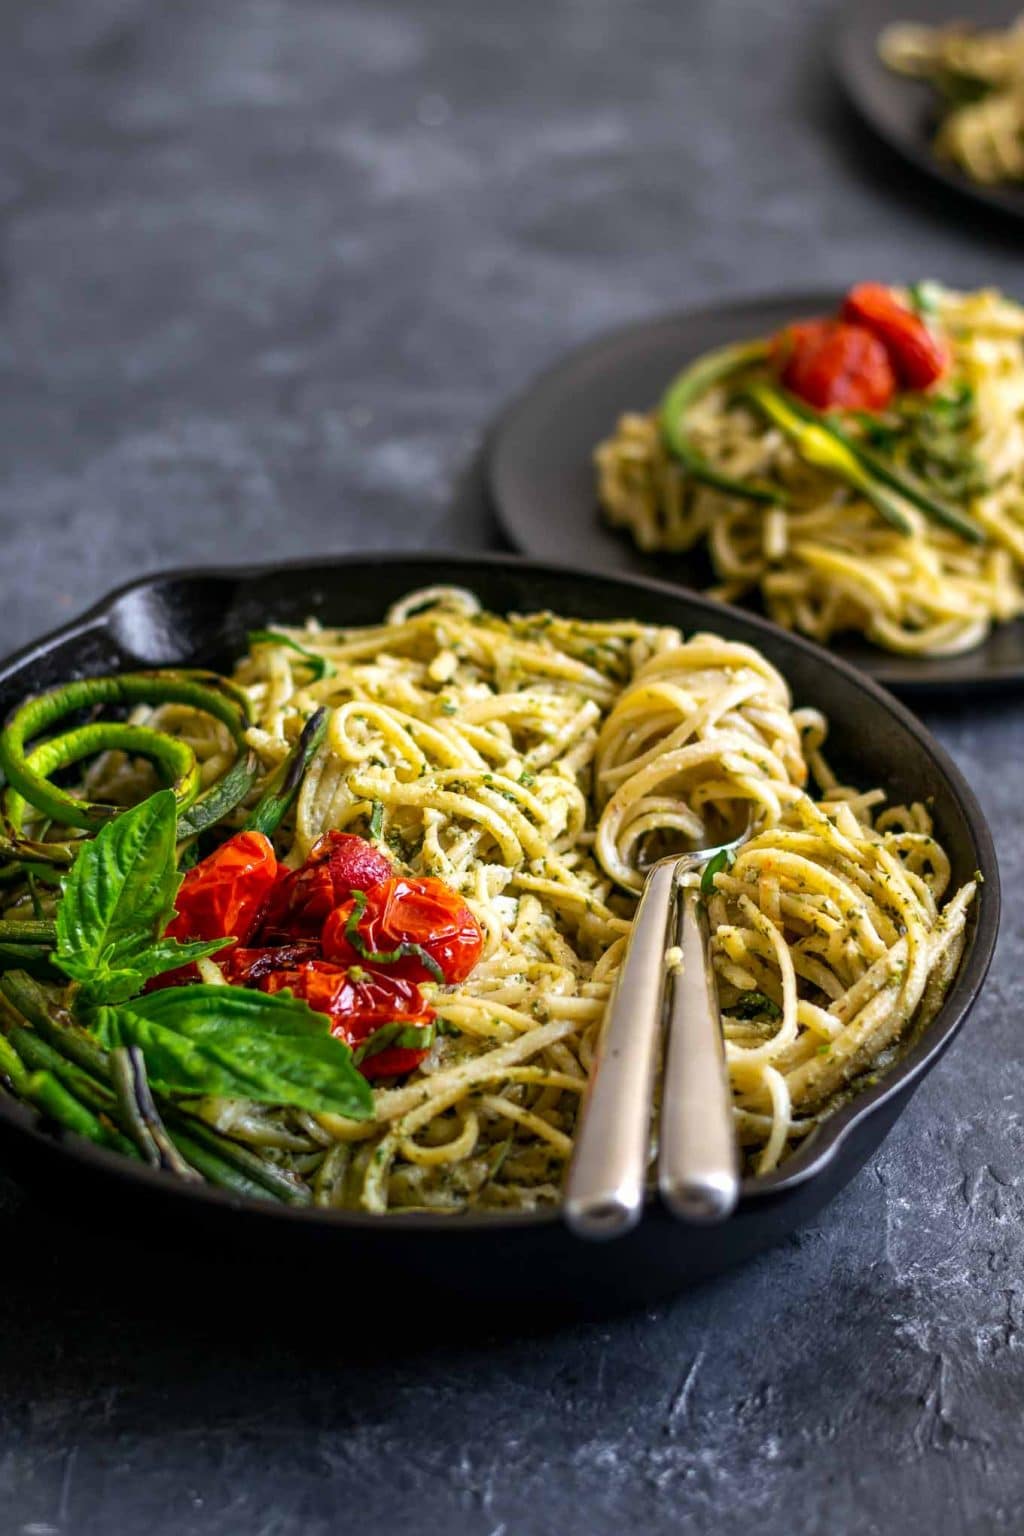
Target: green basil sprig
[235,1043]
[117,900]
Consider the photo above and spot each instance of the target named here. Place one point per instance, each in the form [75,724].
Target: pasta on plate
[978,74]
[844,487]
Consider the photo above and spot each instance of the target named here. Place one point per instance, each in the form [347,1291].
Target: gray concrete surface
[267,267]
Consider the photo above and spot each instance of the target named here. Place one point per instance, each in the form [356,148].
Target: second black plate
[540,474]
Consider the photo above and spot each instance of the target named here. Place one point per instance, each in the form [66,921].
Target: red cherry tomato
[401,912]
[223,896]
[226,893]
[339,864]
[248,967]
[918,357]
[359,1003]
[834,366]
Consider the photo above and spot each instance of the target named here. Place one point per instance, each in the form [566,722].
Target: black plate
[541,479]
[200,618]
[904,112]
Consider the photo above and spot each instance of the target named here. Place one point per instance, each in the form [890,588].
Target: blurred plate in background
[904,111]
[541,477]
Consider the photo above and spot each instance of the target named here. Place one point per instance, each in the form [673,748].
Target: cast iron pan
[904,112]
[540,474]
[201,617]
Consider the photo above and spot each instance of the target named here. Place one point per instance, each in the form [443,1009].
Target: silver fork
[698,1167]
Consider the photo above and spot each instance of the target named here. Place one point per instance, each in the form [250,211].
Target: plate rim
[892,670]
[755,1192]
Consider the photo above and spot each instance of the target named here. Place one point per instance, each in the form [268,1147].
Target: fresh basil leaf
[119,893]
[318,665]
[753,1005]
[724,859]
[116,986]
[236,1043]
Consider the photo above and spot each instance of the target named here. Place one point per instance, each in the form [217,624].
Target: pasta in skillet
[524,764]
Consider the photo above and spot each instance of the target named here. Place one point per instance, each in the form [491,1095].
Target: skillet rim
[828,1141]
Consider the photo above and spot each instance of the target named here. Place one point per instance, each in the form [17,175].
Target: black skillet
[201,617]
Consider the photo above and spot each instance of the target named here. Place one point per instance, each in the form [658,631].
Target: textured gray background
[267,268]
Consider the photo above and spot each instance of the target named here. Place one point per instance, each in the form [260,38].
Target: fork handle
[604,1193]
[698,1167]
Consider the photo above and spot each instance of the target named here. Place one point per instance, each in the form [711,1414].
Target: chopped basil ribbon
[117,900]
[318,665]
[724,859]
[385,956]
[406,1037]
[377,819]
[749,1005]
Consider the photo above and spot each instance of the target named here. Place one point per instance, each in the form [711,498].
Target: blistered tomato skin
[358,1002]
[402,912]
[339,863]
[226,893]
[249,967]
[224,896]
[355,864]
[832,365]
[919,358]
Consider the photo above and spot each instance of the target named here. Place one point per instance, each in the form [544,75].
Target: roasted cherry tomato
[339,864]
[359,1003]
[420,929]
[248,967]
[834,366]
[225,894]
[918,356]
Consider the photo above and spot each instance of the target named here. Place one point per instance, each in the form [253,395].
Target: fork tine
[605,1185]
[698,1173]
[606,1181]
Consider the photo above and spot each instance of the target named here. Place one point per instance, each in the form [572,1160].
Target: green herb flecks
[683,394]
[753,1005]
